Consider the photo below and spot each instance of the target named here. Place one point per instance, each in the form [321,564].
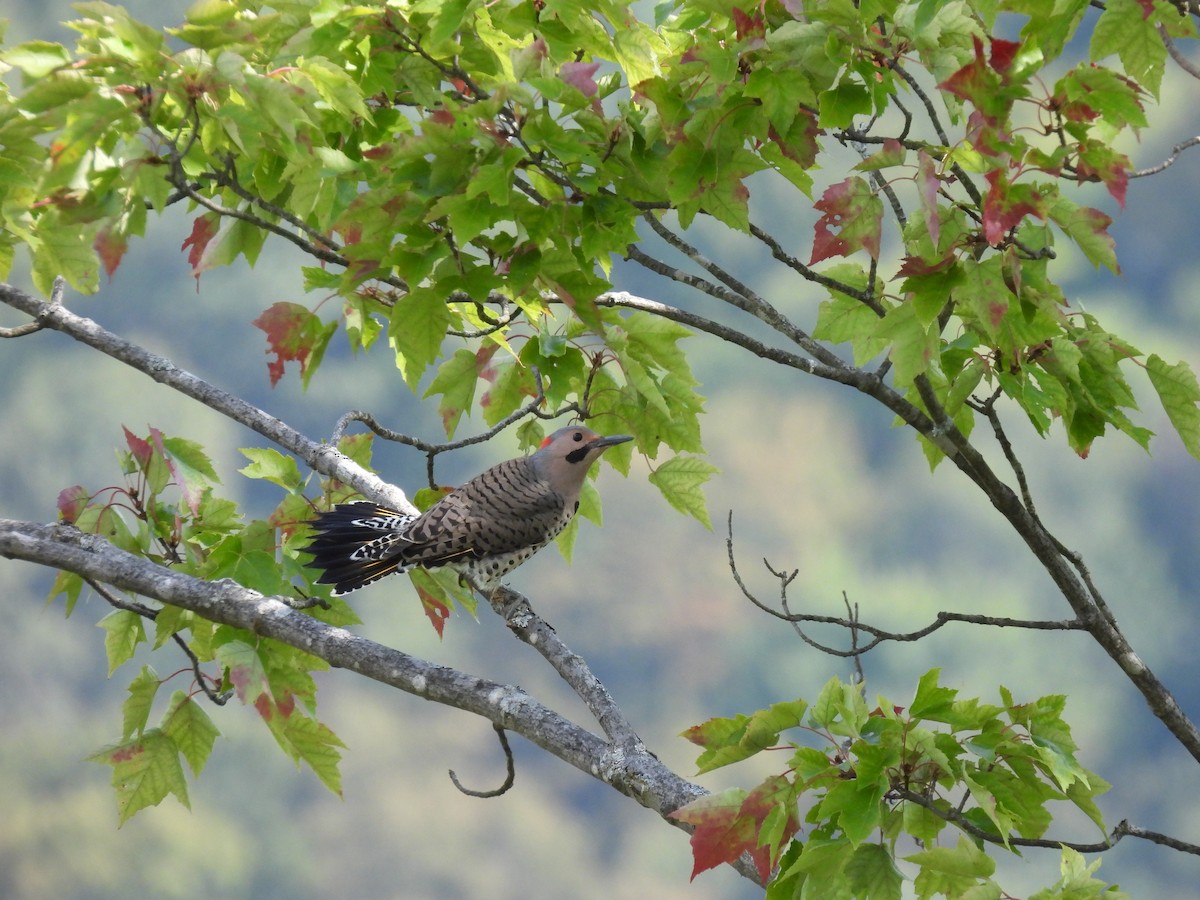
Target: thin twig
[878,635]
[1122,829]
[1169,161]
[220,699]
[510,765]
[988,408]
[811,274]
[432,450]
[1176,54]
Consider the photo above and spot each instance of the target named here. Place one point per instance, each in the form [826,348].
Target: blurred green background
[817,479]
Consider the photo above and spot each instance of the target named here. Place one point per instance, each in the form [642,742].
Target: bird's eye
[578,436]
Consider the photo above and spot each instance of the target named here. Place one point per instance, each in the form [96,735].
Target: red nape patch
[545,441]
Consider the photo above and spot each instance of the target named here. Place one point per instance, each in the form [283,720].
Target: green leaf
[951,871]
[135,711]
[1126,30]
[188,725]
[856,810]
[271,465]
[1088,228]
[913,344]
[416,330]
[1179,393]
[931,701]
[455,381]
[872,873]
[728,741]
[123,632]
[37,59]
[245,672]
[317,745]
[190,455]
[1082,794]
[145,770]
[681,481]
[1076,881]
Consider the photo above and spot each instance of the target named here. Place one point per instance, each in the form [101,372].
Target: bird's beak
[601,442]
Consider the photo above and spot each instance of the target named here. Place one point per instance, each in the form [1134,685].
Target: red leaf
[1109,168]
[111,248]
[1006,204]
[1003,53]
[721,834]
[927,190]
[973,79]
[774,791]
[748,26]
[263,704]
[191,496]
[141,450]
[204,228]
[442,117]
[579,76]
[71,502]
[286,706]
[290,332]
[856,212]
[437,611]
[800,143]
[239,677]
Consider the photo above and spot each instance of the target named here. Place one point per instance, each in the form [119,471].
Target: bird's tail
[357,543]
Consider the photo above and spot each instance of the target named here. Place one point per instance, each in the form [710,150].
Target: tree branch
[323,458]
[629,768]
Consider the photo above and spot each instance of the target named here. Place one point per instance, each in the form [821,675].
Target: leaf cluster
[166,510]
[882,781]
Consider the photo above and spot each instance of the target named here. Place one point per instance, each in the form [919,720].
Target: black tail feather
[343,531]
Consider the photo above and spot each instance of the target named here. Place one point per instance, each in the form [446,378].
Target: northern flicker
[483,530]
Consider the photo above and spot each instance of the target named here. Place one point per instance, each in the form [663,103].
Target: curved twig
[510,766]
[1169,161]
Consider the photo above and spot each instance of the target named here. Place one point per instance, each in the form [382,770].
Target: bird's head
[568,453]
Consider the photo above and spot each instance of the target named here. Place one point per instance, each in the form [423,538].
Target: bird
[483,530]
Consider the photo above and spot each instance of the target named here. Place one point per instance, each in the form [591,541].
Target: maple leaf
[191,488]
[141,449]
[985,81]
[799,144]
[1102,163]
[748,26]
[580,76]
[851,207]
[1006,204]
[927,191]
[722,834]
[111,248]
[71,502]
[774,793]
[437,611]
[204,229]
[974,79]
[1003,54]
[291,335]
